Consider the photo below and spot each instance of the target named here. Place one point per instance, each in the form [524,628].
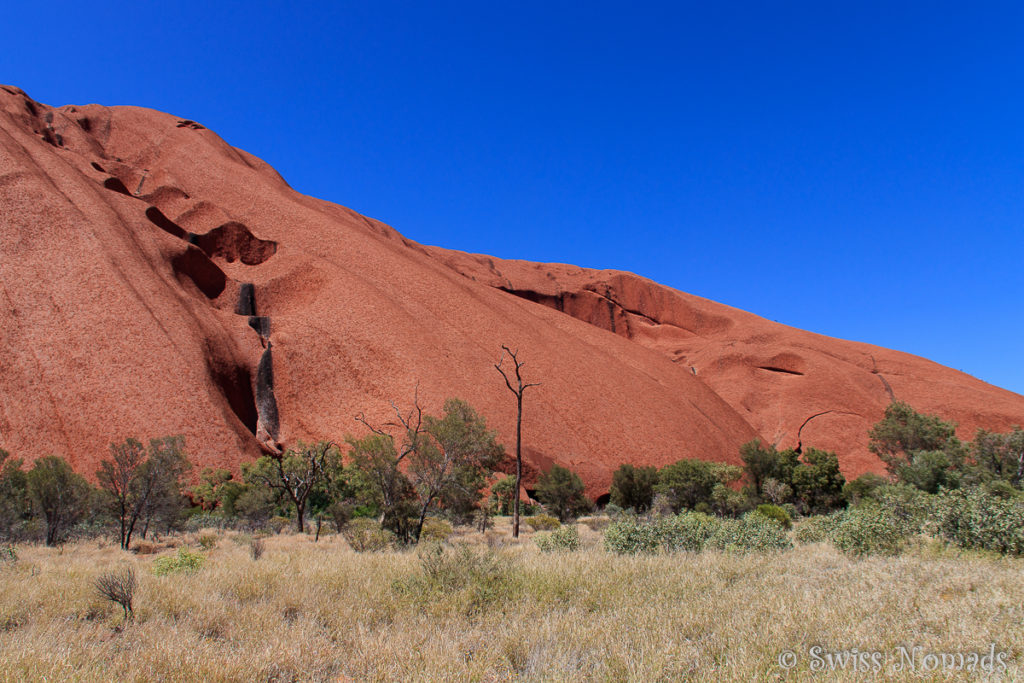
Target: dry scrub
[320,611]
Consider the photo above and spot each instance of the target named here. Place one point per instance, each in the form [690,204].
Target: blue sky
[855,169]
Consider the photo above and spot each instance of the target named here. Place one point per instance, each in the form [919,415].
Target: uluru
[156,280]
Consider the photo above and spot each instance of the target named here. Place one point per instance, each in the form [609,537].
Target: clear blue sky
[854,169]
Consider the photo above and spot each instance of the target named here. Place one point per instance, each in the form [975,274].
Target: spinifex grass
[319,611]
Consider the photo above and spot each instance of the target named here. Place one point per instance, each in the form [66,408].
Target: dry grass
[314,612]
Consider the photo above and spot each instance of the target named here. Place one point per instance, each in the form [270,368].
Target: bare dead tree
[118,587]
[517,388]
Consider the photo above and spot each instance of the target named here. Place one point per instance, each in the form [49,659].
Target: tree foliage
[999,456]
[918,449]
[561,491]
[15,505]
[817,483]
[633,487]
[692,483]
[763,462]
[296,474]
[61,495]
[439,462]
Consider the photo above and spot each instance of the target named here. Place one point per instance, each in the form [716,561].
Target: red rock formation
[155,280]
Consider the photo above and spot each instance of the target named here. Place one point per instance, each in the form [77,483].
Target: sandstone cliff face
[155,280]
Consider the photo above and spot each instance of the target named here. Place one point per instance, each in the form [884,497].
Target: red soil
[127,238]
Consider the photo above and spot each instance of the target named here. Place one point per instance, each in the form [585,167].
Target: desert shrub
[567,538]
[816,529]
[256,548]
[461,578]
[661,506]
[776,514]
[907,507]
[869,530]
[727,502]
[686,531]
[630,535]
[435,529]
[118,587]
[975,519]
[752,532]
[613,510]
[186,561]
[862,487]
[366,535]
[208,541]
[543,522]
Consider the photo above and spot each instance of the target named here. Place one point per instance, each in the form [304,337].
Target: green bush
[752,532]
[365,535]
[776,514]
[613,510]
[566,538]
[186,561]
[686,531]
[630,535]
[975,519]
[816,529]
[543,522]
[908,508]
[435,529]
[869,530]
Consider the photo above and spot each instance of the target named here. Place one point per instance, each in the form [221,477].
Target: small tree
[1000,456]
[119,476]
[451,465]
[633,487]
[142,483]
[818,483]
[904,430]
[15,505]
[377,465]
[517,387]
[295,474]
[764,462]
[210,490]
[918,449]
[504,493]
[690,482]
[561,491]
[59,493]
[443,461]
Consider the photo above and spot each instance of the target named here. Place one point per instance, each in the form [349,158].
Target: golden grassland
[310,611]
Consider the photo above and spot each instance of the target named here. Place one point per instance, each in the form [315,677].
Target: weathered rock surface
[147,269]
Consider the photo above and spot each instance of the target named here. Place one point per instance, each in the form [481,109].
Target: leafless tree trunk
[516,388]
